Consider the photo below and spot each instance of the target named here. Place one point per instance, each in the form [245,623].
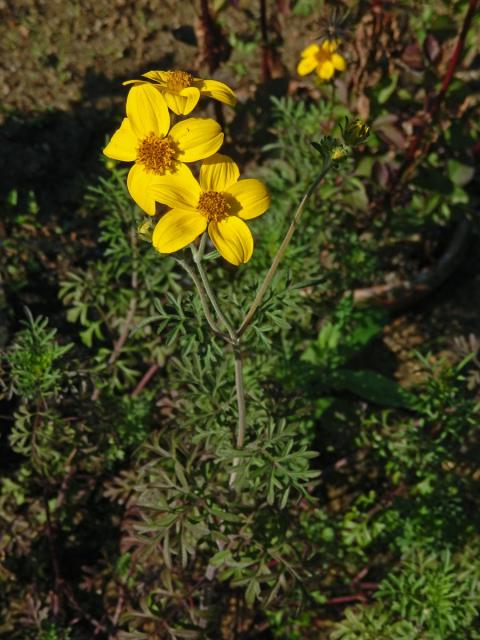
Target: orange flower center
[178,80]
[213,205]
[323,56]
[156,154]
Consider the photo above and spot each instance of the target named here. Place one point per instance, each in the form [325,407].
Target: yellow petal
[216,90]
[306,65]
[196,138]
[156,76]
[179,189]
[233,239]
[138,81]
[123,144]
[330,45]
[326,70]
[310,51]
[184,102]
[251,198]
[147,111]
[192,94]
[138,184]
[177,229]
[218,172]
[338,62]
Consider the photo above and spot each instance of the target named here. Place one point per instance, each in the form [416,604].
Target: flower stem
[203,299]
[281,252]
[242,414]
[197,257]
[233,339]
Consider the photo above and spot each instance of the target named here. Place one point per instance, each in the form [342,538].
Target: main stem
[242,413]
[234,337]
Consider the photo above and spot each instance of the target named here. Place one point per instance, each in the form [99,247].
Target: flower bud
[354,132]
[145,230]
[338,152]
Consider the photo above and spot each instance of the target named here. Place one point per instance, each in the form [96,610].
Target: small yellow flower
[322,59]
[145,138]
[182,91]
[219,203]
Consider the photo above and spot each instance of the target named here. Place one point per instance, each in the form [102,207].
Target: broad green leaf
[374,387]
[459,173]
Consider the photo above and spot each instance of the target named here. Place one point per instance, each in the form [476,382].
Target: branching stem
[234,337]
[203,299]
[197,257]
[281,251]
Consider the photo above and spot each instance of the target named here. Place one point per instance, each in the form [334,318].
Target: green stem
[234,336]
[233,339]
[242,414]
[203,299]
[197,257]
[281,252]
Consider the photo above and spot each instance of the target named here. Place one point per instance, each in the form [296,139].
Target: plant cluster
[210,441]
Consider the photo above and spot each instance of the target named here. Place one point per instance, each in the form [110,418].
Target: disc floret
[156,154]
[178,80]
[213,205]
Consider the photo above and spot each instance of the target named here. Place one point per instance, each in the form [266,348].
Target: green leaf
[385,93]
[220,557]
[303,8]
[87,335]
[357,198]
[374,387]
[322,405]
[224,515]
[459,173]
[252,592]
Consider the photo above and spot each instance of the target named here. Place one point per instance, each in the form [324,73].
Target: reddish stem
[358,597]
[266,70]
[209,30]
[57,577]
[433,108]
[148,375]
[455,59]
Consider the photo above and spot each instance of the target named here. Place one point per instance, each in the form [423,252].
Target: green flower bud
[354,132]
[338,152]
[145,230]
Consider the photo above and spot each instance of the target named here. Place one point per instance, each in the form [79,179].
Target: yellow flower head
[323,59]
[219,203]
[182,91]
[145,138]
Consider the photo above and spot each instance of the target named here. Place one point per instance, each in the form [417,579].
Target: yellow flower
[145,138]
[182,90]
[322,59]
[219,202]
